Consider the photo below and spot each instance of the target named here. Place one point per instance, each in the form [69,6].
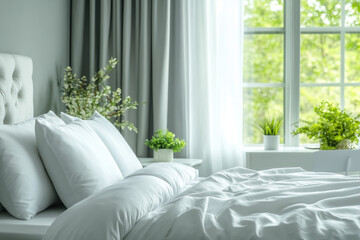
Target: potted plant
[164,145]
[83,97]
[333,127]
[270,128]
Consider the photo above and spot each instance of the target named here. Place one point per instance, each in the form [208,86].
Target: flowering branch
[82,98]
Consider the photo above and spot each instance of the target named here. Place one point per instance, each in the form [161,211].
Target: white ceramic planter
[271,142]
[164,155]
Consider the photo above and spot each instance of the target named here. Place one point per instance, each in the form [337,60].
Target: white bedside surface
[35,228]
[259,159]
[192,162]
[309,159]
[281,149]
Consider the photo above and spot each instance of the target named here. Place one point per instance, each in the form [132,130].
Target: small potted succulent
[334,128]
[270,128]
[164,145]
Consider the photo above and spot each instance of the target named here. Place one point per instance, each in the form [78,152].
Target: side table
[191,162]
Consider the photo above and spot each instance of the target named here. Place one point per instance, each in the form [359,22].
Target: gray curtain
[146,36]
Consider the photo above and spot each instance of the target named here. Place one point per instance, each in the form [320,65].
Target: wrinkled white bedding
[232,204]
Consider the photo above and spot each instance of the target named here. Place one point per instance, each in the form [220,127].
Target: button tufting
[16,90]
[2,93]
[20,94]
[15,86]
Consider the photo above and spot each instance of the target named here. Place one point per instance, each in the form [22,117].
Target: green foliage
[352,10]
[320,13]
[264,13]
[82,98]
[164,139]
[269,126]
[334,128]
[320,60]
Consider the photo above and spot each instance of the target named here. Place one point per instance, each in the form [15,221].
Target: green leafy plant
[333,127]
[164,139]
[82,98]
[269,126]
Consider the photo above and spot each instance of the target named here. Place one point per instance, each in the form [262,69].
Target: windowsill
[344,161]
[306,148]
[281,149]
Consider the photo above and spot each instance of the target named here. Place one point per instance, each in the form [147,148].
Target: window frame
[291,85]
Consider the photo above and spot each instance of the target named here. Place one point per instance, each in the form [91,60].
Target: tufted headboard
[16,88]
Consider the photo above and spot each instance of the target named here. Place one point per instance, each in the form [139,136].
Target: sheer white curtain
[214,82]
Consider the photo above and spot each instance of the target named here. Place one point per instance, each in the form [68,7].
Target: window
[263,63]
[298,53]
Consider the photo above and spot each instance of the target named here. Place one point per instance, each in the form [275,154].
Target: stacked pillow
[77,161]
[45,157]
[114,141]
[25,188]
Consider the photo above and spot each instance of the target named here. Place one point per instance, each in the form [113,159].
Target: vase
[271,142]
[164,155]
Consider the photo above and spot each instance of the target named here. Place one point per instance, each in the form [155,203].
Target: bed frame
[16,88]
[16,105]
[33,229]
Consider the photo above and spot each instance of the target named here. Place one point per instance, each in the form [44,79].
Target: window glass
[325,43]
[320,58]
[264,58]
[352,9]
[320,13]
[352,100]
[257,103]
[263,13]
[352,57]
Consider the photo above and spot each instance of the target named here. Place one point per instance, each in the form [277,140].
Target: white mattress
[35,228]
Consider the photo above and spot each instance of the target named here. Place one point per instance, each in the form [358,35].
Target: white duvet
[232,204]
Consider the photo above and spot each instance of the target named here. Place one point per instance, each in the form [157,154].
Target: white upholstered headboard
[16,88]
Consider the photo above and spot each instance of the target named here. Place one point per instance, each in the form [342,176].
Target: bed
[16,105]
[33,229]
[88,166]
[16,88]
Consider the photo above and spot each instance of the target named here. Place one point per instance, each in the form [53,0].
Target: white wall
[38,29]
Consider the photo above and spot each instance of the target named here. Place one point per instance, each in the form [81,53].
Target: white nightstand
[192,162]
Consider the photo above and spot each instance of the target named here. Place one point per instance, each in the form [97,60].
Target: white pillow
[114,141]
[25,188]
[77,161]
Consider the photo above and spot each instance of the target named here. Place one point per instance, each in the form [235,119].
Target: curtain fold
[181,60]
[160,60]
[214,83]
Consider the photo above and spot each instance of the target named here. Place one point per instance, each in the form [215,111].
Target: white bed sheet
[235,203]
[33,229]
